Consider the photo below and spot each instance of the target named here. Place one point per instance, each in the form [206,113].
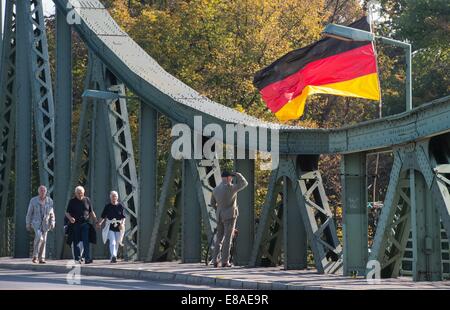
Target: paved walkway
[235,277]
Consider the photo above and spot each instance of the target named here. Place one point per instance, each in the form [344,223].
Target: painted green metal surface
[7,119]
[355,217]
[246,220]
[23,132]
[426,231]
[63,120]
[191,217]
[295,239]
[148,166]
[168,215]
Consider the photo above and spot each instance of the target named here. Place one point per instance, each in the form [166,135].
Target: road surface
[31,280]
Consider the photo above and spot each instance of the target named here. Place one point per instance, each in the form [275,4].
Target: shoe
[88,261]
[227,265]
[34,260]
[216,264]
[42,262]
[114,259]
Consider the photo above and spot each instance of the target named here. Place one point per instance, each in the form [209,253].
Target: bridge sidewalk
[235,277]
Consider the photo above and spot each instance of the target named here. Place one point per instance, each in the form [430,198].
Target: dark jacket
[71,234]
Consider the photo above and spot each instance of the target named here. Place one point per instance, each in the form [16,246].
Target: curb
[161,276]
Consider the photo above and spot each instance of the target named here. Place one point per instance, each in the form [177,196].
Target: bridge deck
[236,277]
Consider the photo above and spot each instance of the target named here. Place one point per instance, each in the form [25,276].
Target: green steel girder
[43,105]
[207,176]
[426,231]
[355,217]
[7,116]
[79,174]
[266,250]
[394,223]
[315,213]
[191,215]
[63,122]
[148,176]
[23,127]
[168,216]
[415,197]
[246,220]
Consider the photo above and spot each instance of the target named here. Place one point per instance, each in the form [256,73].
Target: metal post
[408,77]
[100,183]
[23,129]
[191,228]
[63,120]
[295,238]
[426,231]
[246,219]
[408,86]
[1,32]
[354,200]
[148,133]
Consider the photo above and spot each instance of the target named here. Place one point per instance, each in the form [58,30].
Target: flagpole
[380,103]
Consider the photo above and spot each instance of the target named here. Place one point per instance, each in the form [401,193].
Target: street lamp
[352,34]
[104,95]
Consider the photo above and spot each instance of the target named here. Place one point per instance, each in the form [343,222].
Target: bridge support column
[426,231]
[100,175]
[191,228]
[246,219]
[23,149]
[63,121]
[7,124]
[148,132]
[354,201]
[295,238]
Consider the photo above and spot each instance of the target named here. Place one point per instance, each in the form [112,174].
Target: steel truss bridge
[36,120]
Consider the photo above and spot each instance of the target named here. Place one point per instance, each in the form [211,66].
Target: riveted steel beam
[7,118]
[313,211]
[63,121]
[266,250]
[168,215]
[295,238]
[316,214]
[43,105]
[355,224]
[191,217]
[246,220]
[148,154]
[23,137]
[426,231]
[394,223]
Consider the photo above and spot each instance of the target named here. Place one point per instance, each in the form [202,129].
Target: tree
[426,25]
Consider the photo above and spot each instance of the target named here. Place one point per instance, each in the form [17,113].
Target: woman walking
[114,217]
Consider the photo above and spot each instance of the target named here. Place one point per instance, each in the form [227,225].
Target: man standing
[223,199]
[40,217]
[79,211]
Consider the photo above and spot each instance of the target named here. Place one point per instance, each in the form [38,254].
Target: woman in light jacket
[41,218]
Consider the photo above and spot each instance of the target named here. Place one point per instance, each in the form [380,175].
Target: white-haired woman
[114,215]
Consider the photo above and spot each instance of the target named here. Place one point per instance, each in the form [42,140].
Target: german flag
[329,66]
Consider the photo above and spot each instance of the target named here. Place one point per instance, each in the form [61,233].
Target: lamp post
[352,34]
[104,95]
